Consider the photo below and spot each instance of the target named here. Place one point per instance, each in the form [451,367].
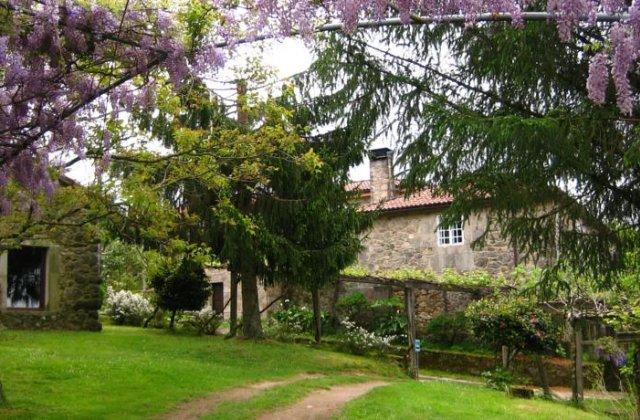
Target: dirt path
[322,404]
[199,407]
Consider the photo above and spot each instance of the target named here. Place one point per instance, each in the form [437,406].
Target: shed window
[26,277]
[450,235]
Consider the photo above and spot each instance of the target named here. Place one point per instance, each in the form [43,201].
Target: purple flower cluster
[598,79]
[617,357]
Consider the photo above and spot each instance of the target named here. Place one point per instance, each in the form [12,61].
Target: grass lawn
[439,400]
[131,373]
[134,373]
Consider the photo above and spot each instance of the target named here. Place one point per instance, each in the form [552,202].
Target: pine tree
[500,119]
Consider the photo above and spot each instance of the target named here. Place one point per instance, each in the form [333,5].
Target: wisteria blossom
[63,61]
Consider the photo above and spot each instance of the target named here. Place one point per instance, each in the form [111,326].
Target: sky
[286,57]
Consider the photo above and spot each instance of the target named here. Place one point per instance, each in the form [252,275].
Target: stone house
[52,281]
[406,232]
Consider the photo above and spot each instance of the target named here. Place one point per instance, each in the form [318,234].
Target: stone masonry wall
[72,294]
[409,240]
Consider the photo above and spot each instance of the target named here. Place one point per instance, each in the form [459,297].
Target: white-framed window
[450,235]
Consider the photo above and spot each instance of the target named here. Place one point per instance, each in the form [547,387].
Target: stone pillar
[381,174]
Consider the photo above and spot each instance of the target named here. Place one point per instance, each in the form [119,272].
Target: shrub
[183,289]
[384,317]
[203,322]
[515,322]
[499,378]
[448,329]
[357,340]
[389,318]
[127,308]
[356,308]
[292,320]
[607,349]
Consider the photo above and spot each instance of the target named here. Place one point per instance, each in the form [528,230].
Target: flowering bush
[127,308]
[606,349]
[289,321]
[204,322]
[294,319]
[357,340]
[515,322]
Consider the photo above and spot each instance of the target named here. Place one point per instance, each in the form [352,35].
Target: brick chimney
[381,174]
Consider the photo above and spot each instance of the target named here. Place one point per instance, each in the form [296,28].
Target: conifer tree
[487,115]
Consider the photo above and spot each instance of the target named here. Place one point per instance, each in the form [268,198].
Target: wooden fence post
[410,307]
[505,357]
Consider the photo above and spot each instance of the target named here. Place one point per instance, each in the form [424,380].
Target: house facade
[406,231]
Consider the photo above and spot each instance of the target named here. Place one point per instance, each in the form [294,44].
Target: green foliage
[513,321]
[384,317]
[499,378]
[126,266]
[291,320]
[389,318]
[448,329]
[449,276]
[203,322]
[184,288]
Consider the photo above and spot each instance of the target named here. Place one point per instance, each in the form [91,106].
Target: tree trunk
[153,315]
[577,388]
[542,374]
[233,309]
[173,318]
[410,308]
[251,324]
[317,314]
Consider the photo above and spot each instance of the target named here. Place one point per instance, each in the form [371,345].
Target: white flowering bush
[358,340]
[203,322]
[127,308]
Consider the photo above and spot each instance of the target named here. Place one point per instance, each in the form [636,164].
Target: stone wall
[72,293]
[558,370]
[221,275]
[408,239]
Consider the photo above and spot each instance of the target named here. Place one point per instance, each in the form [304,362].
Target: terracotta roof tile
[359,186]
[424,198]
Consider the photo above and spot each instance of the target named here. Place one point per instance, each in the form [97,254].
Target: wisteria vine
[63,63]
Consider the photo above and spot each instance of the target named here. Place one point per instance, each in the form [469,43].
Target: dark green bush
[448,329]
[389,317]
[356,308]
[184,289]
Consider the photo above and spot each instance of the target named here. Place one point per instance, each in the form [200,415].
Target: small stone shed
[52,280]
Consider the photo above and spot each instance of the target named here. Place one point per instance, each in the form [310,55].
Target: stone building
[406,232]
[220,280]
[52,281]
